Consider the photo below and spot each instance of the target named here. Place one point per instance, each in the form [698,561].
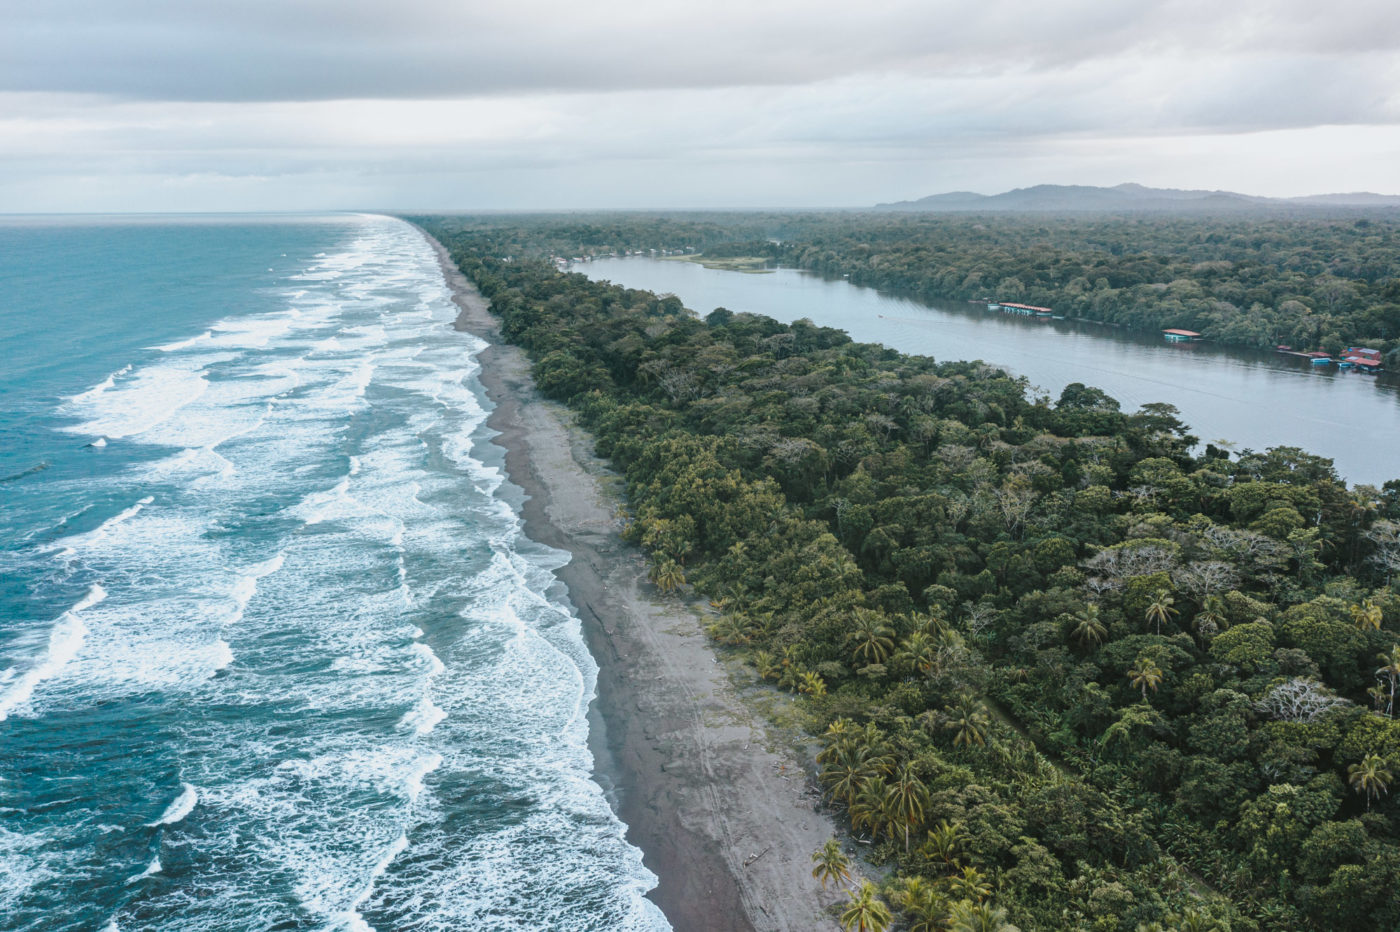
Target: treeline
[1304,282]
[1307,282]
[1066,673]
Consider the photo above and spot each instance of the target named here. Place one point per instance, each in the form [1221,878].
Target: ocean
[275,652]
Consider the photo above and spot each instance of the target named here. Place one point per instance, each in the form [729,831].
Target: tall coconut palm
[831,864]
[1161,609]
[942,844]
[854,763]
[923,905]
[969,723]
[668,576]
[919,652]
[871,808]
[1211,617]
[970,885]
[967,916]
[867,912]
[873,639]
[1370,778]
[1089,627]
[906,797]
[1145,674]
[1390,669]
[1367,616]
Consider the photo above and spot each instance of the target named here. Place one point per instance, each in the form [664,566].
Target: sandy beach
[724,816]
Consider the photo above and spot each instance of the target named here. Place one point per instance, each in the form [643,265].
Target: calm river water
[1240,398]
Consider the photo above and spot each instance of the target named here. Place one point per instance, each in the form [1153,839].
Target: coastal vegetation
[1066,670]
[1308,280]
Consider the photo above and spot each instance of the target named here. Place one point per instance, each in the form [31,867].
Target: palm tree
[966,916]
[668,576]
[873,638]
[1390,669]
[870,809]
[971,885]
[1089,627]
[906,797]
[1370,778]
[831,863]
[919,652]
[1210,617]
[1145,674]
[1367,616]
[1193,920]
[923,905]
[866,913]
[970,722]
[943,843]
[812,684]
[850,768]
[764,665]
[1161,609]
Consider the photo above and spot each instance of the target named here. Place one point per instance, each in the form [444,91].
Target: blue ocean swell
[278,655]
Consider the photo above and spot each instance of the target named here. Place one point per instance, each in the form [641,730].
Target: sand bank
[727,824]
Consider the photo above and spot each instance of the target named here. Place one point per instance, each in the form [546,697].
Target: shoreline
[727,824]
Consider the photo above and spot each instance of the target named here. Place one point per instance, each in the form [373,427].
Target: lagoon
[1232,397]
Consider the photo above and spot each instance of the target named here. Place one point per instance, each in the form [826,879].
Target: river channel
[1237,398]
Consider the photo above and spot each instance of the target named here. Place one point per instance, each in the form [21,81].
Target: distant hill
[1128,198]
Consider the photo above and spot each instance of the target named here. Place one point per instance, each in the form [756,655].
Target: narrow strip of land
[726,823]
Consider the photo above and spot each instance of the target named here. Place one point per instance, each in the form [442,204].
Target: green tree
[971,884]
[668,576]
[1088,626]
[923,905]
[1390,670]
[907,797]
[969,723]
[831,864]
[866,912]
[1161,610]
[1370,778]
[1145,674]
[943,842]
[1367,616]
[872,637]
[966,916]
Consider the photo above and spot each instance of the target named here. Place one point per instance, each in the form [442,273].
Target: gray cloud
[185,104]
[262,50]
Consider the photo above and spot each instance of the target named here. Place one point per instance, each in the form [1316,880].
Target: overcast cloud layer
[187,105]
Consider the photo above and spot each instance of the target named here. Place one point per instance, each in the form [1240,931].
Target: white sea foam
[65,640]
[100,387]
[99,442]
[185,344]
[423,717]
[314,783]
[151,870]
[145,399]
[179,807]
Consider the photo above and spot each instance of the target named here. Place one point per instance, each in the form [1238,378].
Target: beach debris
[754,857]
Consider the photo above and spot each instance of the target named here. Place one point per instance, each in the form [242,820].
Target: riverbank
[727,823]
[1235,399]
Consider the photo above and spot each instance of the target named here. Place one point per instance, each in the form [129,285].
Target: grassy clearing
[750,264]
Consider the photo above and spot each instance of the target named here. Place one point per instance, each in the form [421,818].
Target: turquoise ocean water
[274,650]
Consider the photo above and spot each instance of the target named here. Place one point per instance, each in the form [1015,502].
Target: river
[1233,397]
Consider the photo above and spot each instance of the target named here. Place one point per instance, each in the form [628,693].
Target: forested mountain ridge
[1199,653]
[1133,198]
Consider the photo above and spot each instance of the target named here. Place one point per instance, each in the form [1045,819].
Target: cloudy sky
[458,104]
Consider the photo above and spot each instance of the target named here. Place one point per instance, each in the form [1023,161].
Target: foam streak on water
[319,678]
